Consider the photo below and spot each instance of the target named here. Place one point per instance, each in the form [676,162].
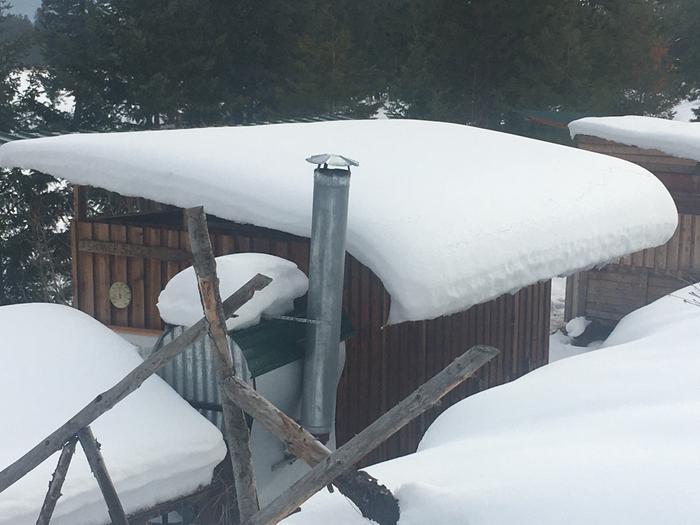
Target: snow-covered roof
[53,361]
[446,215]
[678,139]
[608,437]
[179,302]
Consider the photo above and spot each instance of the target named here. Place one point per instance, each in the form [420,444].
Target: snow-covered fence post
[351,452]
[235,425]
[97,464]
[56,483]
[130,383]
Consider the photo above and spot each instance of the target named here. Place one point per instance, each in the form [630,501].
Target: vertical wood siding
[384,363]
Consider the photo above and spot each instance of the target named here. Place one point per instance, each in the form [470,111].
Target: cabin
[670,150]
[453,236]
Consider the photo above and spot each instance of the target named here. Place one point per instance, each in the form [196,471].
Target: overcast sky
[25,7]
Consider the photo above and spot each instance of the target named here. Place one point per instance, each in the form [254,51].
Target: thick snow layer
[446,215]
[179,302]
[608,437]
[53,361]
[679,139]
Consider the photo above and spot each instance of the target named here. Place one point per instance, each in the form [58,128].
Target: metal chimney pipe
[324,304]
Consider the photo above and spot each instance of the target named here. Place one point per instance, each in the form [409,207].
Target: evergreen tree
[34,254]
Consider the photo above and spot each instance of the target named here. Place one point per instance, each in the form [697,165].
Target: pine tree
[34,259]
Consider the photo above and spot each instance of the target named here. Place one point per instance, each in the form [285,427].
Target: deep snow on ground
[179,302]
[55,360]
[608,437]
[446,215]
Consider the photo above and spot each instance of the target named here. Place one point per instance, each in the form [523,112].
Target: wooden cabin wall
[638,279]
[383,365]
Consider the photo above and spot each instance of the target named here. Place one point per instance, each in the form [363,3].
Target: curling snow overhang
[446,215]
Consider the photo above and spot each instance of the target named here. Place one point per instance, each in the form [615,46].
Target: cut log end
[375,501]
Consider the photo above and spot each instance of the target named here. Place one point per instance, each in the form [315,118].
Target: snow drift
[607,437]
[179,302]
[53,361]
[679,139]
[446,215]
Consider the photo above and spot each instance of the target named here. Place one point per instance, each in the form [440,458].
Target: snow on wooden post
[97,464]
[351,452]
[375,501]
[130,383]
[56,483]
[235,425]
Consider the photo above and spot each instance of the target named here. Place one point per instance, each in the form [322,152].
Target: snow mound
[676,138]
[576,326]
[446,215]
[179,302]
[605,437]
[53,361]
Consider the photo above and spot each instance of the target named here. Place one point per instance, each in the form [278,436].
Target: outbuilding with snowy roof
[453,235]
[671,151]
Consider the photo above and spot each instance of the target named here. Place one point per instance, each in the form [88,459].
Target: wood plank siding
[384,363]
[610,293]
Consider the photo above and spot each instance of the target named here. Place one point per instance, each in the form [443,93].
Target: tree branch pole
[235,425]
[351,452]
[56,483]
[97,464]
[374,500]
[132,381]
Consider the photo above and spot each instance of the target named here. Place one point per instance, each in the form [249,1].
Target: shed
[671,151]
[453,236]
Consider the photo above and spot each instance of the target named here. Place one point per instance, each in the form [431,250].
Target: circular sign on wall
[120,294]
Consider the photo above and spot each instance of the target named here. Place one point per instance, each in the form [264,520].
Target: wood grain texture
[97,465]
[236,429]
[56,484]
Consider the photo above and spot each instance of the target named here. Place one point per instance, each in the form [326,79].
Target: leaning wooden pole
[375,501]
[105,401]
[235,425]
[97,464]
[396,418]
[56,483]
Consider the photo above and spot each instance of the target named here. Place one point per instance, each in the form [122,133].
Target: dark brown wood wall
[384,363]
[607,295]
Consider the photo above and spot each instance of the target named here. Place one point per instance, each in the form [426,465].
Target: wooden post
[235,425]
[97,464]
[79,202]
[351,452]
[56,483]
[105,401]
[374,500]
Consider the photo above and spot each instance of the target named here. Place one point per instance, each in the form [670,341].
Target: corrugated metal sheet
[192,374]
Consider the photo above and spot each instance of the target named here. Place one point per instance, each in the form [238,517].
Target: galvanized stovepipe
[325,298]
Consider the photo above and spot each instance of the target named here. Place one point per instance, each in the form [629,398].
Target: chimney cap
[331,159]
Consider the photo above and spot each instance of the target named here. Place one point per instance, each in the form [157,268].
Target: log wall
[384,363]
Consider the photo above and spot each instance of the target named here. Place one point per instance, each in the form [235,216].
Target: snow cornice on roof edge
[675,138]
[447,216]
